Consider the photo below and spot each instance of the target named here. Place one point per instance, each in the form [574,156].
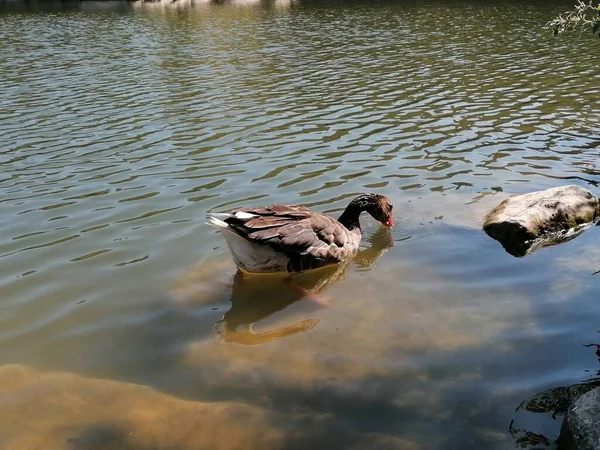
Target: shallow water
[123,125]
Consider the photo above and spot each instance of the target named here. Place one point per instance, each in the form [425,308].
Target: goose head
[378,206]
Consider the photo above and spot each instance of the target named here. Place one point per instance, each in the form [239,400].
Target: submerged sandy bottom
[57,411]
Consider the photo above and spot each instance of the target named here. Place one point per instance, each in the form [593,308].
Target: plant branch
[576,19]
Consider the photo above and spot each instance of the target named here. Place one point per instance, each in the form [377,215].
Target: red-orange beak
[389,222]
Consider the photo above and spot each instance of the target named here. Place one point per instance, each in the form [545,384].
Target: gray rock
[524,223]
[581,428]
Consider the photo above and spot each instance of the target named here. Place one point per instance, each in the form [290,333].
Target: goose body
[290,238]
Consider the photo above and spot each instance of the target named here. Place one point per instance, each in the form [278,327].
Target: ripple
[47,244]
[91,255]
[133,261]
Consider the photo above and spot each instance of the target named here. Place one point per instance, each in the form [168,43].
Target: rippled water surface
[123,125]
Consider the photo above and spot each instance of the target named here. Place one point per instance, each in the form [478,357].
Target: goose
[292,238]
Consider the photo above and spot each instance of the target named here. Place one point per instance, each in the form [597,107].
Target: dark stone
[581,428]
[524,223]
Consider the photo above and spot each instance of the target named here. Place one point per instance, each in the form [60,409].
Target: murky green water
[122,126]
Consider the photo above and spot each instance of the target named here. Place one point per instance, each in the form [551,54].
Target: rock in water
[581,428]
[65,411]
[529,221]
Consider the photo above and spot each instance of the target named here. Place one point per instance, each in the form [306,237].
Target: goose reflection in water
[256,297]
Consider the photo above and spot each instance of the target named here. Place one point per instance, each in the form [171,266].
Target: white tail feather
[244,215]
[250,256]
[218,219]
[217,223]
[221,216]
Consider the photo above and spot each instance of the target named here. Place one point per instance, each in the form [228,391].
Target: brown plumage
[293,238]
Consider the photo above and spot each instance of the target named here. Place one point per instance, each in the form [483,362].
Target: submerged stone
[65,411]
[524,223]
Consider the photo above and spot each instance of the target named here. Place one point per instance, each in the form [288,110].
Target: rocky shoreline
[581,427]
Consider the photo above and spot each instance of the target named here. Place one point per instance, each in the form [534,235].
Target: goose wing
[309,239]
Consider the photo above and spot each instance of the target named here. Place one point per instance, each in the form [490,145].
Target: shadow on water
[555,402]
[520,248]
[212,303]
[255,298]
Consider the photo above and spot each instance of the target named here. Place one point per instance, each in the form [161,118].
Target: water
[123,125]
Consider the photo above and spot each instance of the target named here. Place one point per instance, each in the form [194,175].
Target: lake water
[123,125]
